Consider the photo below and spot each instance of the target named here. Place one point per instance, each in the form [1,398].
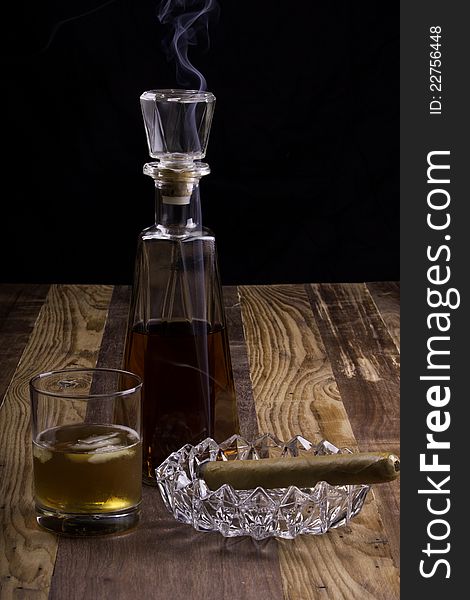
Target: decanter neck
[175,218]
[177,201]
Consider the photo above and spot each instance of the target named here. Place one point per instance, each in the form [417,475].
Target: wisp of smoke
[189,21]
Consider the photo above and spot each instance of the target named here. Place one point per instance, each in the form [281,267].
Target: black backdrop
[303,150]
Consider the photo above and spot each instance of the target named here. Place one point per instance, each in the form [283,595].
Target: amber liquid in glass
[188,391]
[87,468]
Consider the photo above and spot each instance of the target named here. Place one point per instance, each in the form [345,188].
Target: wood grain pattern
[308,369]
[19,308]
[240,364]
[295,392]
[114,336]
[361,351]
[386,296]
[163,559]
[67,333]
[365,363]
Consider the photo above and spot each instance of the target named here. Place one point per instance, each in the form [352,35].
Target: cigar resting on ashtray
[302,471]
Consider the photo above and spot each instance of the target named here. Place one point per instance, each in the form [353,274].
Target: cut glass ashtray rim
[259,513]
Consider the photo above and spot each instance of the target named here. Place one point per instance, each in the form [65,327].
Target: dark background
[303,150]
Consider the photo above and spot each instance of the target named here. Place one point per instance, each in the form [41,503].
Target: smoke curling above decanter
[187,23]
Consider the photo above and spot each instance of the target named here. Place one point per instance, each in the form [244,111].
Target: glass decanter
[177,339]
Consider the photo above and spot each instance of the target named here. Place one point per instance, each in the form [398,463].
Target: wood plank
[360,351]
[164,559]
[240,364]
[114,335]
[365,363]
[386,296]
[67,333]
[295,392]
[19,308]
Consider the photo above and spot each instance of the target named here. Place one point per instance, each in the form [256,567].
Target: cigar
[302,471]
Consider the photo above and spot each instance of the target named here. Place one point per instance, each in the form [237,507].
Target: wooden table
[321,360]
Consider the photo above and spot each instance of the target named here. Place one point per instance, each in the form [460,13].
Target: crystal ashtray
[259,512]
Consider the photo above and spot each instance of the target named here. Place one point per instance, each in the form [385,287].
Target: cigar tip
[396,462]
